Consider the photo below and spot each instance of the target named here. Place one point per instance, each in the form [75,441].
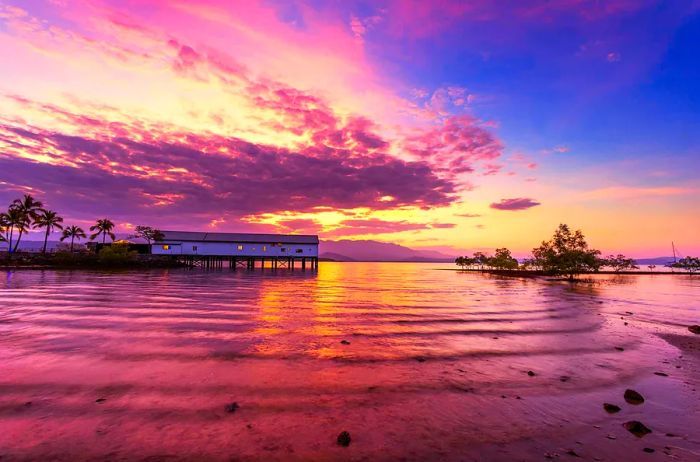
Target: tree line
[567,253]
[28,213]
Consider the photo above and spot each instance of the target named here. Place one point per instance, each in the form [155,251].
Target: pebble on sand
[633,397]
[611,408]
[649,450]
[694,329]
[661,374]
[100,400]
[344,439]
[530,373]
[637,428]
[232,407]
[619,349]
[345,342]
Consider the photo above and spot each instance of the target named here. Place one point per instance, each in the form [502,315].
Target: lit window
[240,247]
[166,247]
[264,248]
[300,250]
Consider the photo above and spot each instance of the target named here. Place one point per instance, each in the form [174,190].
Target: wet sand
[415,364]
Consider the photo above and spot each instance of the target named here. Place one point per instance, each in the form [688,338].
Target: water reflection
[305,349]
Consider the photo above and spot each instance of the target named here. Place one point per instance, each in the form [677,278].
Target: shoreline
[150,262]
[530,273]
[88,262]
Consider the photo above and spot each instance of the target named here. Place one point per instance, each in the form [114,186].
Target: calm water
[435,368]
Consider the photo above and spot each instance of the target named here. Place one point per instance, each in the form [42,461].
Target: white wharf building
[238,249]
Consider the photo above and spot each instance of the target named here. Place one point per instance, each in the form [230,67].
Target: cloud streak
[514,204]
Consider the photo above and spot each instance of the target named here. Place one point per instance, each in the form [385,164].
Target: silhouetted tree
[567,253]
[620,263]
[481,259]
[73,232]
[503,260]
[103,227]
[463,262]
[23,212]
[50,220]
[531,264]
[149,233]
[651,267]
[690,264]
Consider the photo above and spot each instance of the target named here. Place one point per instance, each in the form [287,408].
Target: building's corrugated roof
[239,237]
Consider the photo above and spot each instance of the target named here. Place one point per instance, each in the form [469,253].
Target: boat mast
[674,251]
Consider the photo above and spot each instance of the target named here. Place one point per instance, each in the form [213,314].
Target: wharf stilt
[210,262]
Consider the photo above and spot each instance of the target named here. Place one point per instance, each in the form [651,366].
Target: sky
[444,125]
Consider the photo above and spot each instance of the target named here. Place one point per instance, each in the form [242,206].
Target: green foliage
[464,262]
[690,264]
[531,264]
[149,233]
[621,263]
[481,259]
[503,260]
[64,258]
[116,255]
[567,253]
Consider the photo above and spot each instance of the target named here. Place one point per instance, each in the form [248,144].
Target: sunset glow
[443,125]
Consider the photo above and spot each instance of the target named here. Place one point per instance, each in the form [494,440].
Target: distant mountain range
[655,261]
[346,250]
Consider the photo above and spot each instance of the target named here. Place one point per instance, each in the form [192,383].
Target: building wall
[241,249]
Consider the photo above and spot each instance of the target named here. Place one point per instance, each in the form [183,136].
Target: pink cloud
[559,149]
[613,57]
[519,203]
[455,146]
[134,170]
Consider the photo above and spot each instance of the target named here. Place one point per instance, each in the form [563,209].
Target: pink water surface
[436,367]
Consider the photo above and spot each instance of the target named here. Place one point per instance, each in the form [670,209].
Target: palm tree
[73,232]
[16,220]
[28,208]
[103,227]
[50,220]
